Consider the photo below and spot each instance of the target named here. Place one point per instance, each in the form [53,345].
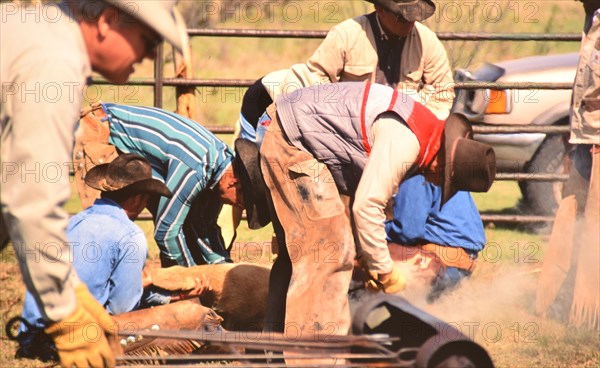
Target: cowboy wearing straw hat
[59,52]
[109,250]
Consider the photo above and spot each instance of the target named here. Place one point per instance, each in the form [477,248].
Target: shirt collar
[107,205]
[384,35]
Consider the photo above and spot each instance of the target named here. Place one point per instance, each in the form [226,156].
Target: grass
[251,58]
[495,307]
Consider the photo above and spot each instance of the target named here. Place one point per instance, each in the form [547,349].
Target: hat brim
[415,11]
[95,178]
[253,186]
[457,126]
[169,24]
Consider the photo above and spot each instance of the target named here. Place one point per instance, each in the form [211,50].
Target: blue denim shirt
[109,252]
[418,219]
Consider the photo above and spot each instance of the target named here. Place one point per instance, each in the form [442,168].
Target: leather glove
[392,285]
[76,337]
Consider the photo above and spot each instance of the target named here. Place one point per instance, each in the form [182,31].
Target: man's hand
[393,282]
[390,283]
[80,339]
[202,285]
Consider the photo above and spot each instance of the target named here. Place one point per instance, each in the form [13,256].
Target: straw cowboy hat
[128,171]
[409,10]
[468,165]
[247,169]
[161,16]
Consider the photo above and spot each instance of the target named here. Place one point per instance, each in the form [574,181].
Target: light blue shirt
[109,252]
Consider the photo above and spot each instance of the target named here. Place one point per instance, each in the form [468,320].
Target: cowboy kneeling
[328,148]
[109,253]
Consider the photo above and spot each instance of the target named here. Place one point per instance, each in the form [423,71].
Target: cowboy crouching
[196,166]
[331,162]
[109,252]
[436,247]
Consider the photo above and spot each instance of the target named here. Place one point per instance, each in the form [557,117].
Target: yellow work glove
[392,285]
[80,339]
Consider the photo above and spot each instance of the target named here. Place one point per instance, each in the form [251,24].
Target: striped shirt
[190,160]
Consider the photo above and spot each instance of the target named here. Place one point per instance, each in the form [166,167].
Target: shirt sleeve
[325,65]
[395,149]
[36,152]
[172,212]
[126,279]
[438,91]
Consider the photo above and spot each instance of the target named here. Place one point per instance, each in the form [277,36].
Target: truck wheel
[542,197]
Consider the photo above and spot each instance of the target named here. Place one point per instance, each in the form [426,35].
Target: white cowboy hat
[161,16]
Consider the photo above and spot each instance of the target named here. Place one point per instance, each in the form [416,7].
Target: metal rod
[518,176]
[276,365]
[158,76]
[495,129]
[200,357]
[486,218]
[242,83]
[273,339]
[445,36]
[511,85]
[280,342]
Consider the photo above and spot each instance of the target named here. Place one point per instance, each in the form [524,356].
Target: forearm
[438,92]
[36,153]
[380,178]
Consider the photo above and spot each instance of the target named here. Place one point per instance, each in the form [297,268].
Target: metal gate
[159,81]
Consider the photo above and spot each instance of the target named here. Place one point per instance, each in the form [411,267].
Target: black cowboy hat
[127,171]
[468,165]
[255,194]
[409,10]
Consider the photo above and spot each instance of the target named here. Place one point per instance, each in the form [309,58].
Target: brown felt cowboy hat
[127,171]
[468,165]
[247,169]
[409,10]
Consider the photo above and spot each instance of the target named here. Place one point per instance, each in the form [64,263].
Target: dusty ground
[495,308]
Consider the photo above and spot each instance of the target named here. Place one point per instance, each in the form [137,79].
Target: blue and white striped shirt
[190,160]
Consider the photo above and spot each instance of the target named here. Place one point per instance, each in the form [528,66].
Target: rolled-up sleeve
[395,149]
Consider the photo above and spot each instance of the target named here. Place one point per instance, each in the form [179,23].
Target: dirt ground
[494,307]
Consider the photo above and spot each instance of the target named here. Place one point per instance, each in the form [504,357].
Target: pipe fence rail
[159,82]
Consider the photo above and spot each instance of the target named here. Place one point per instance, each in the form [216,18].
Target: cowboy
[195,165]
[331,162]
[109,250]
[48,54]
[437,246]
[389,46]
